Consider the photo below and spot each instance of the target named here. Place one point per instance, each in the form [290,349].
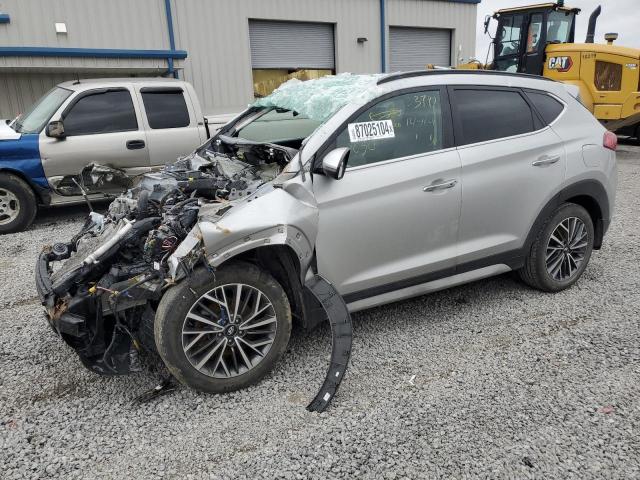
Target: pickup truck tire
[561,250]
[215,348]
[18,204]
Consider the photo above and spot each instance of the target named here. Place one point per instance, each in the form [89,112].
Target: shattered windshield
[319,99]
[274,129]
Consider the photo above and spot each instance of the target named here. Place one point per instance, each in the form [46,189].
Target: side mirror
[487,19]
[334,163]
[55,129]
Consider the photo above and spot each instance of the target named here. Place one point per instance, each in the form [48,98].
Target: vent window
[608,76]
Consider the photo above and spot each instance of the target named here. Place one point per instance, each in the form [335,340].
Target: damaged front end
[101,298]
[101,289]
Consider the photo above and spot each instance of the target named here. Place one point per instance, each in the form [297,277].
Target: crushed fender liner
[341,336]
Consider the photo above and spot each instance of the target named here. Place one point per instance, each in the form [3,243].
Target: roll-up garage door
[414,48]
[291,45]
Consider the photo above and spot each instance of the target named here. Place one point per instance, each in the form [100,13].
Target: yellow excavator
[539,40]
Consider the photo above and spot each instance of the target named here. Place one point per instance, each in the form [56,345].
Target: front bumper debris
[104,346]
[341,338]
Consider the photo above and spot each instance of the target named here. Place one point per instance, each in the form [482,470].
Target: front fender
[282,216]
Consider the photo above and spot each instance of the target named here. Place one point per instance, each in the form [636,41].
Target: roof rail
[419,73]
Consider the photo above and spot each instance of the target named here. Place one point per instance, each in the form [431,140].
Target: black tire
[16,194]
[176,304]
[535,273]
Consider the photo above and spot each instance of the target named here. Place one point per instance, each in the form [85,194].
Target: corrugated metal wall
[277,44]
[215,33]
[413,48]
[459,17]
[135,24]
[219,62]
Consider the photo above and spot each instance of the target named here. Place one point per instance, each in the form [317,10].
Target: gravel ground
[491,379]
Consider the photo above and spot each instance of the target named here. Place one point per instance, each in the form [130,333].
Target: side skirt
[428,287]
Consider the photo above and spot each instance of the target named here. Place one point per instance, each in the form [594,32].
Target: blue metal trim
[89,52]
[172,40]
[23,156]
[5,18]
[383,35]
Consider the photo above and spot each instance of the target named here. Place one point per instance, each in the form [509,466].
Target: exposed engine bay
[115,269]
[102,288]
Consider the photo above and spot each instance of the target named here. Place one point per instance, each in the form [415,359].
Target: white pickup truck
[133,124]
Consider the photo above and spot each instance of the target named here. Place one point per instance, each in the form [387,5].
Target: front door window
[401,126]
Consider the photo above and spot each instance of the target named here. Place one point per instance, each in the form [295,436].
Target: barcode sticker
[363,131]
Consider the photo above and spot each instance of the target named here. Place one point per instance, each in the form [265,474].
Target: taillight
[610,141]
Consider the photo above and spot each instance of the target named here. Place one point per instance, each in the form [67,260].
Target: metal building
[230,50]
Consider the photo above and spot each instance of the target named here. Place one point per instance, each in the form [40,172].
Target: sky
[621,16]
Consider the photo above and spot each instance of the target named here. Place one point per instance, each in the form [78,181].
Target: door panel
[100,131]
[504,191]
[511,166]
[378,226]
[394,216]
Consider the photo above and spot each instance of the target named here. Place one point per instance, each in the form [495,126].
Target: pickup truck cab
[133,124]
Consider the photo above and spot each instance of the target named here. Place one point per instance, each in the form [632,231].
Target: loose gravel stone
[490,379]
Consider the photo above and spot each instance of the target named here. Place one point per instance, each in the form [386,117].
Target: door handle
[546,160]
[440,186]
[135,144]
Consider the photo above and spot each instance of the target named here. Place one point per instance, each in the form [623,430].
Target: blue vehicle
[132,124]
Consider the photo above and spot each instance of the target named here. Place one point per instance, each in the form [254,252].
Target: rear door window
[165,108]
[547,106]
[401,126]
[101,112]
[485,114]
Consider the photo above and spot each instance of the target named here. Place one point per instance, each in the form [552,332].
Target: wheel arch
[282,262]
[589,194]
[42,195]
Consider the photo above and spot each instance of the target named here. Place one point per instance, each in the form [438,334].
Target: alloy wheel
[566,249]
[229,330]
[9,206]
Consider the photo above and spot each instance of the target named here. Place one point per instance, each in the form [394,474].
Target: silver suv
[387,187]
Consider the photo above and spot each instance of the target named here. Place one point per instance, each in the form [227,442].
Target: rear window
[546,105]
[166,108]
[490,114]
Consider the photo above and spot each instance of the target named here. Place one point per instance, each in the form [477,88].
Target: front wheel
[561,250]
[223,331]
[18,204]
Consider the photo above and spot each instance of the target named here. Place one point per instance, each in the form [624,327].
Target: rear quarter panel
[587,159]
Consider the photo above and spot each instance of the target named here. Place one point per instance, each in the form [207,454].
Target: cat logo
[561,64]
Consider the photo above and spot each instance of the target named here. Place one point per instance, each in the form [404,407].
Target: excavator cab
[524,32]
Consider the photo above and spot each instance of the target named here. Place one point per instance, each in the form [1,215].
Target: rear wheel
[561,251]
[18,204]
[224,331]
